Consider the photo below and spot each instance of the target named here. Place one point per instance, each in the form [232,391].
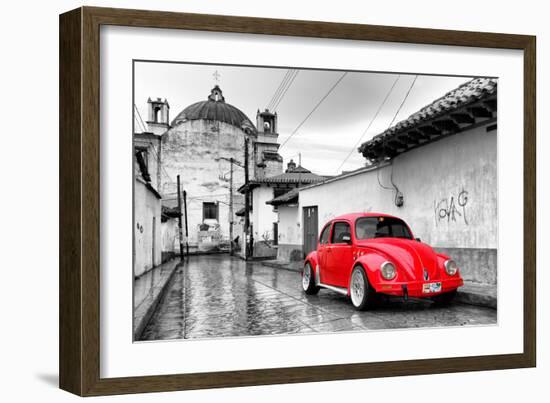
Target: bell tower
[266,122]
[266,146]
[159,116]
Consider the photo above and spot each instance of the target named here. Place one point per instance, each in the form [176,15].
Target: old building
[147,204]
[436,169]
[264,217]
[169,228]
[204,144]
[289,242]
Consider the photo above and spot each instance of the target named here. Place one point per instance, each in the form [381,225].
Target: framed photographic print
[249,201]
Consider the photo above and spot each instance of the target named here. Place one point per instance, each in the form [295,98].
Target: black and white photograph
[272,200]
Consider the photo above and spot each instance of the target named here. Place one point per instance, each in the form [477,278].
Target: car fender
[313,259]
[441,259]
[370,261]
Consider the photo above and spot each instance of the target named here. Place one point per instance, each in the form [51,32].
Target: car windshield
[381,227]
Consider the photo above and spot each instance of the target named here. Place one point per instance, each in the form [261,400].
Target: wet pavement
[219,296]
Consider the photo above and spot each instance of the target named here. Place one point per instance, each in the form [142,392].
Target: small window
[157,114]
[324,235]
[340,229]
[209,211]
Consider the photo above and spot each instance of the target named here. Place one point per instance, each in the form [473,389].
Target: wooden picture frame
[79,317]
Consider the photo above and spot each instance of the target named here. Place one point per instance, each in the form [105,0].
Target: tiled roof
[468,94]
[288,197]
[170,211]
[298,176]
[292,177]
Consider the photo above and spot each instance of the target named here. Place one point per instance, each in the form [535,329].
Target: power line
[140,118]
[279,88]
[314,108]
[276,105]
[282,89]
[276,93]
[384,144]
[403,102]
[137,124]
[171,181]
[370,123]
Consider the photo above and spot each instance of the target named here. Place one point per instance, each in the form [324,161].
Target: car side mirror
[417,239]
[346,238]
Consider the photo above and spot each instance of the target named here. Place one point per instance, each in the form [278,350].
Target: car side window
[340,229]
[324,235]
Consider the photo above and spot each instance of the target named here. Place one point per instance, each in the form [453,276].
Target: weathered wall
[262,219]
[191,150]
[269,167]
[450,194]
[146,211]
[290,237]
[153,145]
[169,237]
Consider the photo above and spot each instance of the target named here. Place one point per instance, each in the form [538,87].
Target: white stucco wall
[290,228]
[449,188]
[263,215]
[190,149]
[170,235]
[147,209]
[152,143]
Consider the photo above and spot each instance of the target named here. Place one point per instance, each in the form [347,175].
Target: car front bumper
[416,288]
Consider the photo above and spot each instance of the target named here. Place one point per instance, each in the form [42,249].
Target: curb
[150,310]
[281,266]
[472,298]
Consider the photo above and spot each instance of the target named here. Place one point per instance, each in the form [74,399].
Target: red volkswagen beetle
[364,255]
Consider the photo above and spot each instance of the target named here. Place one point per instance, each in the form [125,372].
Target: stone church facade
[198,145]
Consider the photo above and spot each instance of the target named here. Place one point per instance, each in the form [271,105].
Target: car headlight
[451,267]
[388,270]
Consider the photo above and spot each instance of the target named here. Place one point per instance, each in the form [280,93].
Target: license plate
[431,287]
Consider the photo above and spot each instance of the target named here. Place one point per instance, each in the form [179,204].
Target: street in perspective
[220,295]
[281,201]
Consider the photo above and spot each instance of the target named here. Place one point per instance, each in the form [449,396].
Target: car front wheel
[308,280]
[362,295]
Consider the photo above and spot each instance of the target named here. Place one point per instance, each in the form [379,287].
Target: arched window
[157,114]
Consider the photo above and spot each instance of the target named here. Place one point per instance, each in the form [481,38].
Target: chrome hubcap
[357,288]
[306,277]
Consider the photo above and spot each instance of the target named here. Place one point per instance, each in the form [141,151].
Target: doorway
[311,226]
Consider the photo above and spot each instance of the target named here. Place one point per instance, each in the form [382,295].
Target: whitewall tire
[308,280]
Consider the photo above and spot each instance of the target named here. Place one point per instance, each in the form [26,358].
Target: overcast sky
[329,134]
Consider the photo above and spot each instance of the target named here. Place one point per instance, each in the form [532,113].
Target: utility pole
[179,221]
[246,201]
[232,161]
[186,227]
[300,170]
[231,251]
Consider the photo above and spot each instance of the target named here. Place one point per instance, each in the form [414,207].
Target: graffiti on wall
[452,209]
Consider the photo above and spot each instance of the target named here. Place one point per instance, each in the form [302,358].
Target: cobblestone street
[217,296]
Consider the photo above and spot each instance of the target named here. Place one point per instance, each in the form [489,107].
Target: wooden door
[311,225]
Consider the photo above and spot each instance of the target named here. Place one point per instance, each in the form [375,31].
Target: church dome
[214,108]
